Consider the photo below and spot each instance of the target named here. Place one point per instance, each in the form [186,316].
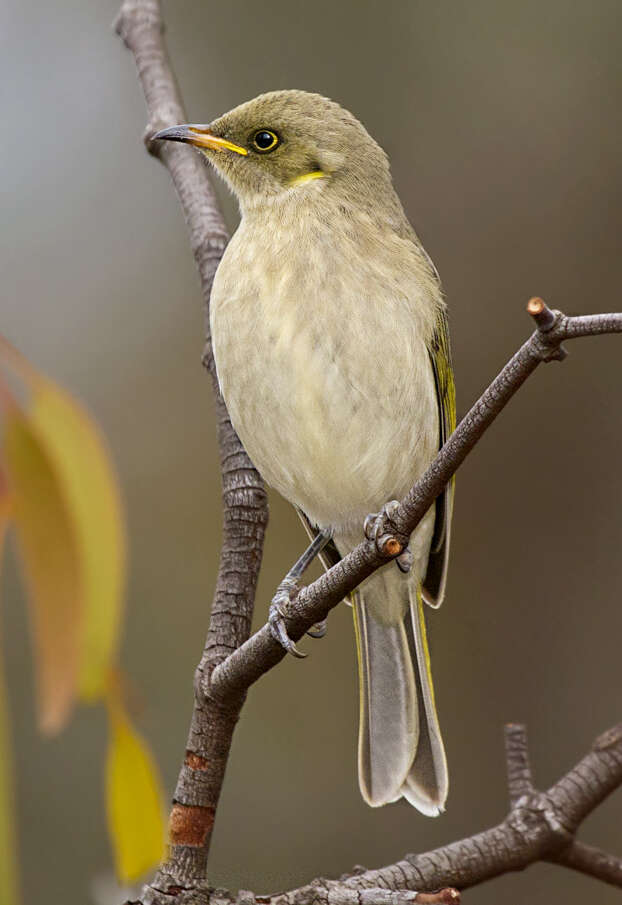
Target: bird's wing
[434,584]
[330,554]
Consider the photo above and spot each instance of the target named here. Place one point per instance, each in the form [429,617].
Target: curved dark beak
[200,137]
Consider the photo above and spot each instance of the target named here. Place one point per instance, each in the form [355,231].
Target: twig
[313,602]
[517,762]
[591,861]
[244,499]
[340,894]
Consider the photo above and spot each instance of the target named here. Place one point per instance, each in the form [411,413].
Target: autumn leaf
[49,555]
[71,538]
[133,798]
[90,491]
[69,525]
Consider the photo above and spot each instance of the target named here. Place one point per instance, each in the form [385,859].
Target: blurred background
[502,124]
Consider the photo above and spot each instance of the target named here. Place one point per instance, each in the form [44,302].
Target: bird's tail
[400,747]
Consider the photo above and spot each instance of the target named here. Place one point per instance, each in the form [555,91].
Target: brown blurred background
[502,123]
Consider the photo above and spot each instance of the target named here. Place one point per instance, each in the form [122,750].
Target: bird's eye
[265,140]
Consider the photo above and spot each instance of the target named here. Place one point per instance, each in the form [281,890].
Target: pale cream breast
[321,339]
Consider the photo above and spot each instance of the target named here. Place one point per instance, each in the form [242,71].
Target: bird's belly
[338,415]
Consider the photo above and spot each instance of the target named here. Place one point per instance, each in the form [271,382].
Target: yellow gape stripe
[204,139]
[308,177]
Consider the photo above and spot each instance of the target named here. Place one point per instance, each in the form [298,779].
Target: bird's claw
[376,527]
[375,524]
[318,630]
[405,560]
[277,615]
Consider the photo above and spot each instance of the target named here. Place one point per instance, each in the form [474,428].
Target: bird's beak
[200,137]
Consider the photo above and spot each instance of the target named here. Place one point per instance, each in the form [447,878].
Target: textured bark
[539,825]
[245,511]
[590,860]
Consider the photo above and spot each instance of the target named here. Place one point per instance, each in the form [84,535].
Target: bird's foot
[318,630]
[377,527]
[405,560]
[375,523]
[277,614]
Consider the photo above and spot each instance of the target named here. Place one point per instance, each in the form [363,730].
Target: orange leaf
[48,551]
[70,450]
[89,488]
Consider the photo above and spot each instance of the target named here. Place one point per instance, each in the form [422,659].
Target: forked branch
[539,826]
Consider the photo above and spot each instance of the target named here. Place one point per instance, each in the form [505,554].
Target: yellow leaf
[133,799]
[48,552]
[8,860]
[90,491]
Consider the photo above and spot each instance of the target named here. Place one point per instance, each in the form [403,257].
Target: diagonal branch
[313,603]
[245,510]
[587,859]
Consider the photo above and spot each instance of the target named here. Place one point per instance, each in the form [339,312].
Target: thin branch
[346,895]
[245,512]
[517,762]
[313,603]
[340,894]
[591,861]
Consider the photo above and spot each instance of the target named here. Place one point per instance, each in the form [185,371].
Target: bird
[330,339]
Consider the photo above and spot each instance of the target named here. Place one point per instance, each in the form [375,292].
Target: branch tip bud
[535,306]
[541,313]
[391,546]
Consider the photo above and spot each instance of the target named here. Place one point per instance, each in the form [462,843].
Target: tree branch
[245,507]
[540,826]
[517,762]
[592,861]
[313,603]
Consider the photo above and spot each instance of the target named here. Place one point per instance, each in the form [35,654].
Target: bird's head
[283,142]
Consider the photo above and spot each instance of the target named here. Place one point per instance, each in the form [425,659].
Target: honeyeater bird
[330,340]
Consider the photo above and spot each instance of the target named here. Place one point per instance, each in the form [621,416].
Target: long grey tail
[400,747]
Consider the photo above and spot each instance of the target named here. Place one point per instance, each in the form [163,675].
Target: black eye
[265,140]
